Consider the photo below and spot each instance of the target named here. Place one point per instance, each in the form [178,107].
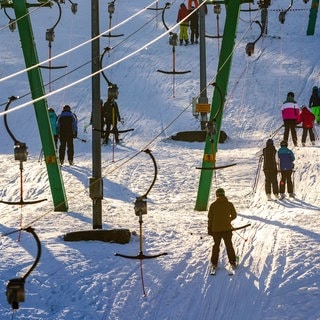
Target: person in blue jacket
[286,164]
[53,123]
[67,126]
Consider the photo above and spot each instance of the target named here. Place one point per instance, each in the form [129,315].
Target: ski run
[278,276]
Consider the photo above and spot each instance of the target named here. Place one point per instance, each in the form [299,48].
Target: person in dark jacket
[307,119]
[270,169]
[290,115]
[111,118]
[194,25]
[67,126]
[286,158]
[314,103]
[220,215]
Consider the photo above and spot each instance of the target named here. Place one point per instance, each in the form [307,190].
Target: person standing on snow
[182,13]
[194,26]
[314,103]
[307,119]
[53,123]
[220,215]
[111,116]
[67,126]
[290,115]
[286,158]
[270,169]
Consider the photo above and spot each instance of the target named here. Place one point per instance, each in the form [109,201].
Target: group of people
[271,167]
[192,22]
[64,128]
[222,212]
[292,115]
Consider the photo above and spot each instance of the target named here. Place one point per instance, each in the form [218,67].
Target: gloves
[75,134]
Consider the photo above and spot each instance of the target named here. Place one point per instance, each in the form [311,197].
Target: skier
[53,123]
[314,103]
[290,115]
[220,215]
[194,26]
[270,169]
[67,126]
[182,13]
[111,116]
[286,158]
[307,119]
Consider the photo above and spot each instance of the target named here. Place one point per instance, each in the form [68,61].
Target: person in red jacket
[307,119]
[182,13]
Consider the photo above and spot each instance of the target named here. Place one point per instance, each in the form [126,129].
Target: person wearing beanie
[290,116]
[270,169]
[67,126]
[194,25]
[220,215]
[111,117]
[314,103]
[307,119]
[286,159]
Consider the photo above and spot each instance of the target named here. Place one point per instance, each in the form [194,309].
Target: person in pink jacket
[290,116]
[307,119]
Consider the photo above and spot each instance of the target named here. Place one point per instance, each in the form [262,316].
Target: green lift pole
[218,100]
[313,17]
[40,107]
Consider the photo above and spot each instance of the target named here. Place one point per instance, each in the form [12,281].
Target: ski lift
[282,14]
[74,7]
[21,155]
[12,22]
[211,132]
[113,92]
[250,9]
[217,12]
[15,288]
[141,209]
[173,41]
[111,10]
[250,45]
[264,4]
[50,38]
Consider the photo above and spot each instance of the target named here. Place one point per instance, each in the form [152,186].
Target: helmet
[269,142]
[284,143]
[66,108]
[220,192]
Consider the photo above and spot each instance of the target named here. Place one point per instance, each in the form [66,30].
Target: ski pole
[245,239]
[82,140]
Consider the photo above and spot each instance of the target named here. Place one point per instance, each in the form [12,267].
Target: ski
[213,270]
[231,270]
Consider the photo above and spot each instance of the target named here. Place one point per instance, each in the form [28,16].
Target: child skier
[307,119]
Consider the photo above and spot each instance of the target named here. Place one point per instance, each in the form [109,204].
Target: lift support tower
[218,100]
[37,90]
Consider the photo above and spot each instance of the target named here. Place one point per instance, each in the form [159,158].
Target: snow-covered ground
[278,277]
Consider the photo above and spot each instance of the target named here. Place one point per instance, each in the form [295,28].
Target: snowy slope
[279,273]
